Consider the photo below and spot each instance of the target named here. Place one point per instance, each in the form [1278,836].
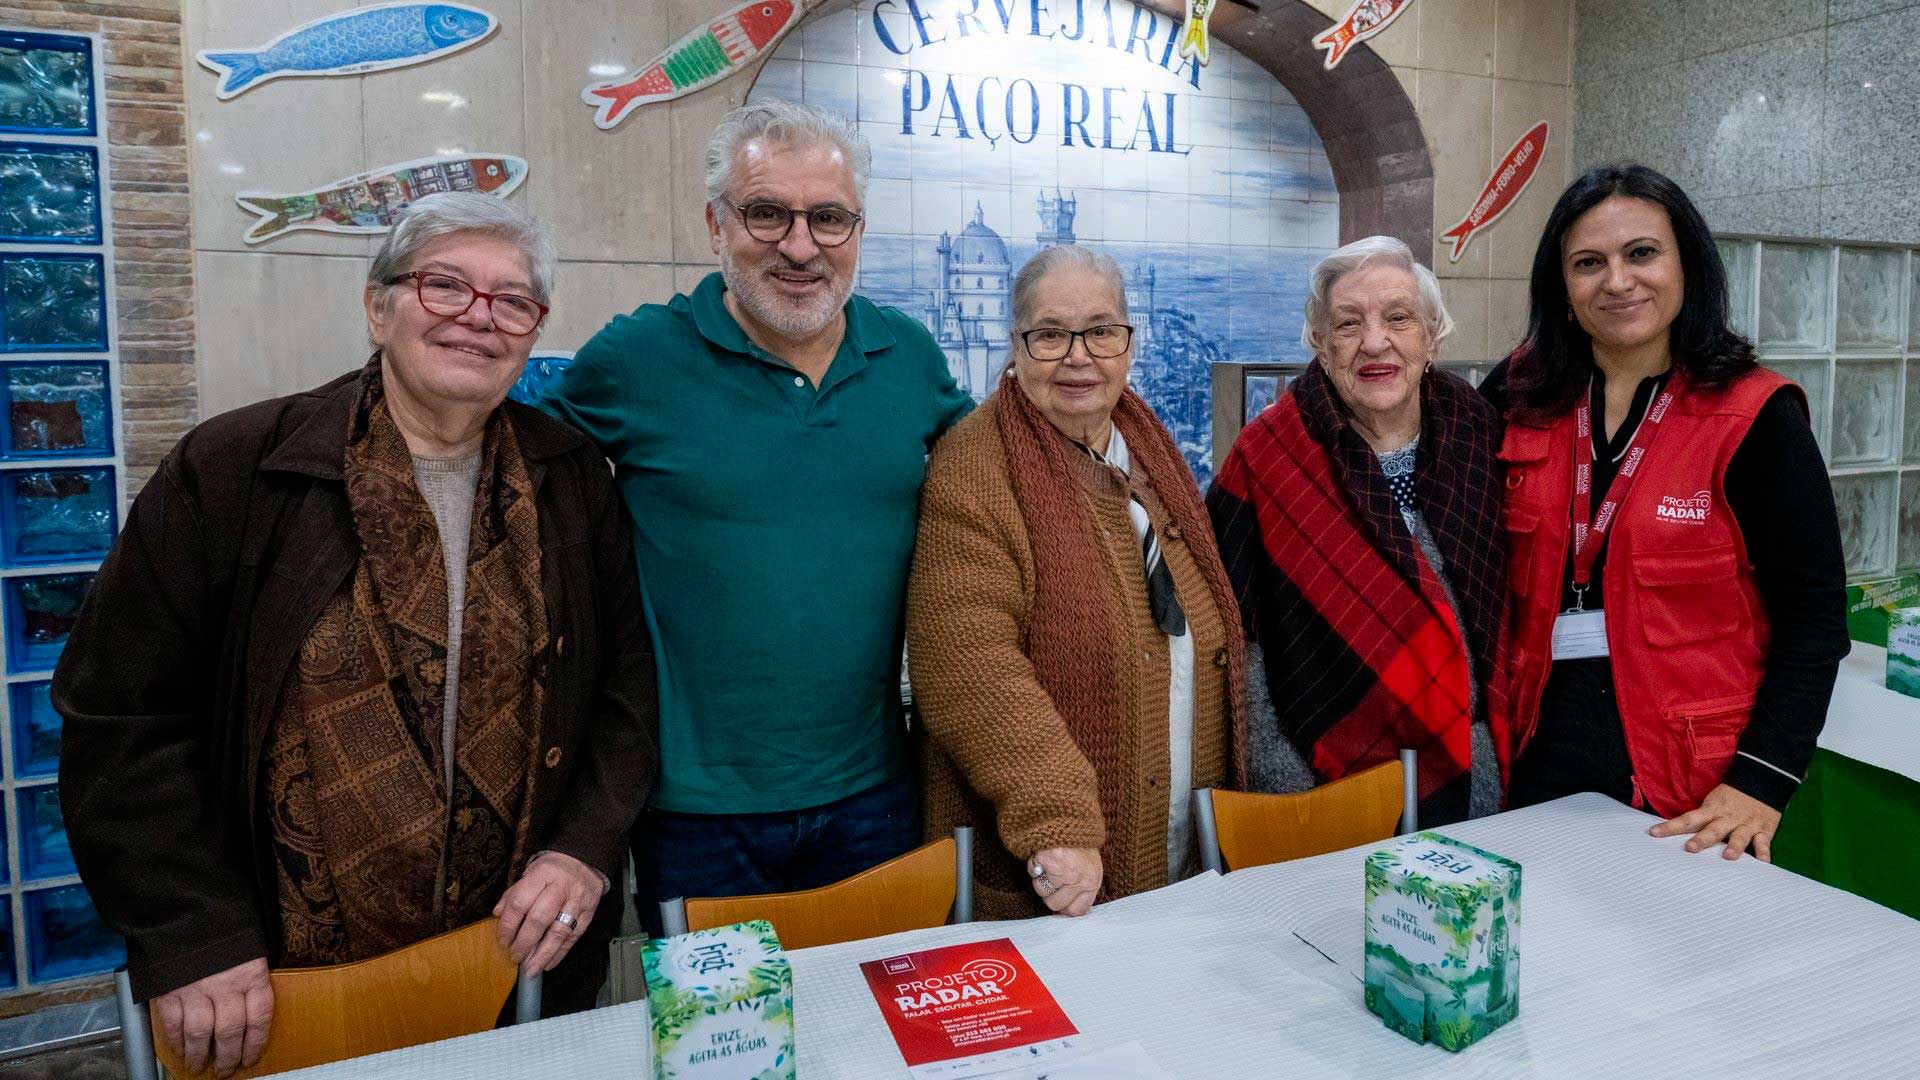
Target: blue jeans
[678,854]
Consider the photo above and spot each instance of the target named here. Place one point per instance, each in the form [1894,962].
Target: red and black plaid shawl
[1363,652]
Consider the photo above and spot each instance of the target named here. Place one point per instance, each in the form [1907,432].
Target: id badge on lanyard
[1578,633]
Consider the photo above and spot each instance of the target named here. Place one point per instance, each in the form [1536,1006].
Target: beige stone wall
[145,118]
[626,204]
[1480,73]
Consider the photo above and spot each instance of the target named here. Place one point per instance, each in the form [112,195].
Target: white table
[1868,722]
[1637,959]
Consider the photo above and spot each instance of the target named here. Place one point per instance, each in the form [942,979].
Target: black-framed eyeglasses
[1104,342]
[830,226]
[444,294]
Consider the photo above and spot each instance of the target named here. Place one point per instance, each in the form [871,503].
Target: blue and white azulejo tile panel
[998,129]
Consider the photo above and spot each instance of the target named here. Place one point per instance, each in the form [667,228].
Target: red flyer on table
[969,1010]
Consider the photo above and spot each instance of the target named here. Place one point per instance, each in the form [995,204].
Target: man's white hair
[785,122]
[1362,253]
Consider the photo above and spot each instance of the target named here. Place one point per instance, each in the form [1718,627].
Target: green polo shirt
[773,524]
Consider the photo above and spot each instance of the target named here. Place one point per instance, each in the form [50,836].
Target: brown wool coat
[996,753]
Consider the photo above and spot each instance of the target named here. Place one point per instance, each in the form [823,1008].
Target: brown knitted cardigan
[999,753]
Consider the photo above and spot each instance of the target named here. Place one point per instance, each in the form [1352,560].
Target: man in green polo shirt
[769,433]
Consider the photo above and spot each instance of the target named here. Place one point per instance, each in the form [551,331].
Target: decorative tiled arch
[1365,119]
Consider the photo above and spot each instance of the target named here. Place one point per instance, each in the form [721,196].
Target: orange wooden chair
[450,985]
[1239,829]
[928,886]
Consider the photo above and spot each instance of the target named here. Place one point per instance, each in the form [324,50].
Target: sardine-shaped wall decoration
[702,58]
[1363,20]
[1509,179]
[353,42]
[1193,36]
[369,202]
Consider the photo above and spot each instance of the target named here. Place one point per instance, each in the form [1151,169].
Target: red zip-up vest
[1685,625]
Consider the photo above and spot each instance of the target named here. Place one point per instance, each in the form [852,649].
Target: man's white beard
[788,318]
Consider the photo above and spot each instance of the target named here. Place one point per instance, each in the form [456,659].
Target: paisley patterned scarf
[373,851]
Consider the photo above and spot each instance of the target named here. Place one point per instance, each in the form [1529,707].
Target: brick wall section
[146,122]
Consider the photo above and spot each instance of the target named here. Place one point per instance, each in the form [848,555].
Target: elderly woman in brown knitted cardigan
[1073,640]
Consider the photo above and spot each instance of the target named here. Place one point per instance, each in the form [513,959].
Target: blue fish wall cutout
[353,42]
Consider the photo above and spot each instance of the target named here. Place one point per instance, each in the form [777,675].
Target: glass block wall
[60,472]
[1843,321]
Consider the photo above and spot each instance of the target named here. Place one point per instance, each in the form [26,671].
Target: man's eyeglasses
[1104,342]
[444,294]
[830,226]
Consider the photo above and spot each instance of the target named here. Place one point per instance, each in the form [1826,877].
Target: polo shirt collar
[867,330]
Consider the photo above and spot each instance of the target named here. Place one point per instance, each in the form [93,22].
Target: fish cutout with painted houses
[1362,21]
[353,42]
[369,202]
[700,59]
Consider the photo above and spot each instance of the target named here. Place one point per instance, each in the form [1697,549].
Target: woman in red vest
[1676,584]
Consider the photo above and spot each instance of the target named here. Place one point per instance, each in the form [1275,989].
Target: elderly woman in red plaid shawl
[1358,520]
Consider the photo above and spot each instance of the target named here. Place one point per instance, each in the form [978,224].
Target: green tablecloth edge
[1852,826]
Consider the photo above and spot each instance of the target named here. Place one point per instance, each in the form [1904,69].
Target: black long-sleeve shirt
[1778,491]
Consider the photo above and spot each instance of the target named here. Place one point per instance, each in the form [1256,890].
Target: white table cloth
[1637,959]
[1868,722]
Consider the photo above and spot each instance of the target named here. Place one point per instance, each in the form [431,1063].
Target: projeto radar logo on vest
[1692,511]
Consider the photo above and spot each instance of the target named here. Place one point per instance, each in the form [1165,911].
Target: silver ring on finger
[1047,887]
[565,919]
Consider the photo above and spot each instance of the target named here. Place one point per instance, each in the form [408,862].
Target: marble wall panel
[1634,117]
[1466,301]
[1872,129]
[1512,240]
[1621,37]
[1749,114]
[607,194]
[1714,25]
[1458,112]
[286,135]
[276,324]
[1773,213]
[1534,41]
[1455,35]
[1840,11]
[1508,307]
[468,103]
[587,295]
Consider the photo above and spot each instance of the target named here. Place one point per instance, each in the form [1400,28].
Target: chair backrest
[450,985]
[911,892]
[1254,829]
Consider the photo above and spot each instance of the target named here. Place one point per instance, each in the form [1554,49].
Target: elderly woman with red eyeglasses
[366,665]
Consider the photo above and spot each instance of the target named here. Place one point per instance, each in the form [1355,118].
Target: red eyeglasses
[444,294]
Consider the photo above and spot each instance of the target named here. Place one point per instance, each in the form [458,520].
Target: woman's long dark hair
[1550,370]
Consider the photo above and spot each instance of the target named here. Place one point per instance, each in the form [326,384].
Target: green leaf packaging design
[1903,650]
[721,1003]
[1443,939]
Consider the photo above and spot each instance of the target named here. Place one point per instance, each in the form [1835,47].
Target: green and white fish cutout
[369,202]
[1193,36]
